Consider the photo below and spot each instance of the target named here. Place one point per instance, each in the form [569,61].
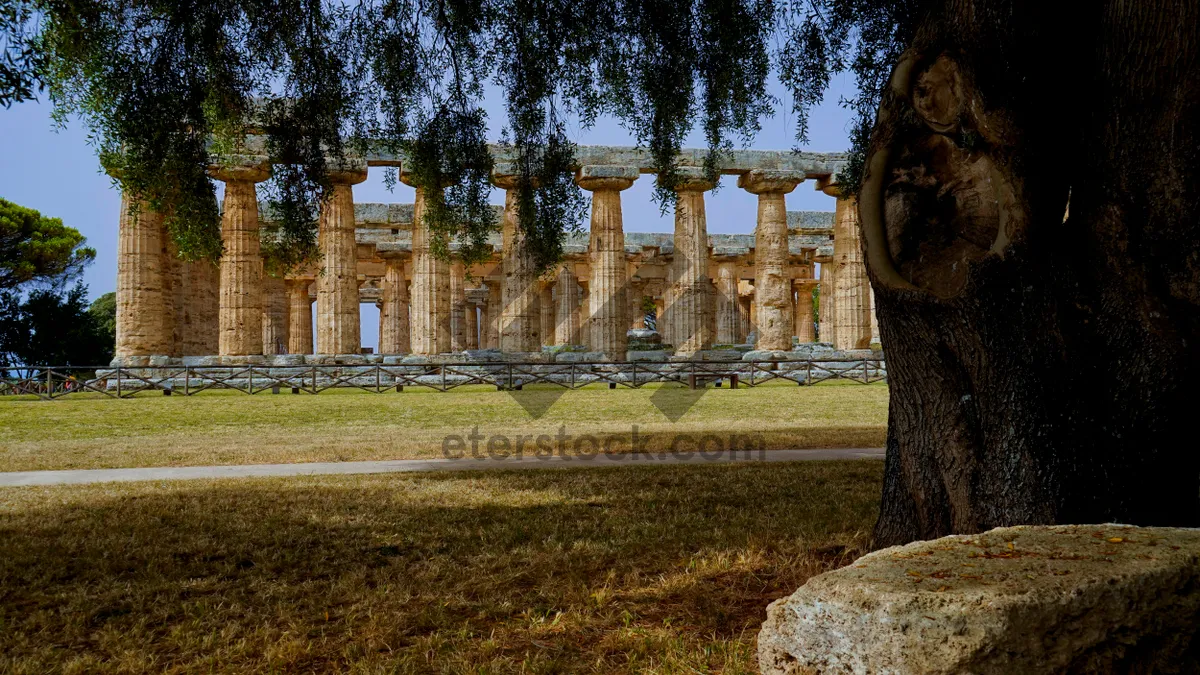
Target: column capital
[802,283]
[505,175]
[692,179]
[830,185]
[764,181]
[251,168]
[348,171]
[606,177]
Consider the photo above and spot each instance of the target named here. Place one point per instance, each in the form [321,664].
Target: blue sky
[56,172]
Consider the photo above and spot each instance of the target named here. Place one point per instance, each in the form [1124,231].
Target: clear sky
[56,172]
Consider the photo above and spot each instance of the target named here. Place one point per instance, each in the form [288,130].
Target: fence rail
[50,382]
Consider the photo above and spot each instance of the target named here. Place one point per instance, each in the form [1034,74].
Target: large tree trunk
[1041,371]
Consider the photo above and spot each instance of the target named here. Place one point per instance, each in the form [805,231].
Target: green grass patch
[343,425]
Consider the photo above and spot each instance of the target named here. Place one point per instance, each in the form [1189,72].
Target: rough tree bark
[1043,369]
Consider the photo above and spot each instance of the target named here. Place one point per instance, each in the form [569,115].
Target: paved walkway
[16,478]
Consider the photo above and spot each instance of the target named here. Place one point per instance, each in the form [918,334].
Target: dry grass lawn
[640,569]
[232,428]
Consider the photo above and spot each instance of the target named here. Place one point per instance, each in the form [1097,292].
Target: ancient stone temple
[710,291]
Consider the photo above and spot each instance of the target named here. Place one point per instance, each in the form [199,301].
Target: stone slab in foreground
[1061,599]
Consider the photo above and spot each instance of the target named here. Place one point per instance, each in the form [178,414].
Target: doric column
[804,312]
[458,307]
[275,316]
[689,312]
[728,319]
[174,313]
[637,293]
[546,309]
[772,287]
[300,323]
[471,324]
[825,327]
[608,296]
[567,295]
[241,264]
[430,293]
[338,329]
[851,288]
[494,306]
[141,296]
[746,314]
[393,312]
[196,321]
[520,322]
[585,315]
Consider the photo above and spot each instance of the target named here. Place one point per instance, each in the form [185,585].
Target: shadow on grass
[612,570]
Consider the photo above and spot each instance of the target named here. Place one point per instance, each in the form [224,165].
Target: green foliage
[104,310]
[35,249]
[164,85]
[53,327]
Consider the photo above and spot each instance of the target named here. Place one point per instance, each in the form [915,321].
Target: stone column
[300,324]
[174,313]
[494,305]
[275,316]
[637,292]
[520,321]
[393,312]
[874,318]
[825,328]
[430,310]
[728,319]
[471,316]
[746,315]
[608,296]
[689,312]
[852,290]
[197,320]
[567,295]
[804,312]
[458,307]
[546,309]
[338,329]
[772,286]
[140,284]
[241,264]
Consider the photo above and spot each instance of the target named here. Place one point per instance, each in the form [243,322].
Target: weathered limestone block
[141,296]
[393,310]
[608,294]
[851,288]
[241,263]
[772,287]
[1053,599]
[275,319]
[690,307]
[338,329]
[430,312]
[520,321]
[300,327]
[568,297]
[728,318]
[804,310]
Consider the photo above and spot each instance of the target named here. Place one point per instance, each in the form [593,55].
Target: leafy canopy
[53,326]
[165,83]
[35,249]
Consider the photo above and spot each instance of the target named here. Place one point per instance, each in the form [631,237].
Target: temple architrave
[710,290]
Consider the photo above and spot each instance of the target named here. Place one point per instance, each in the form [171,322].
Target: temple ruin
[709,291]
